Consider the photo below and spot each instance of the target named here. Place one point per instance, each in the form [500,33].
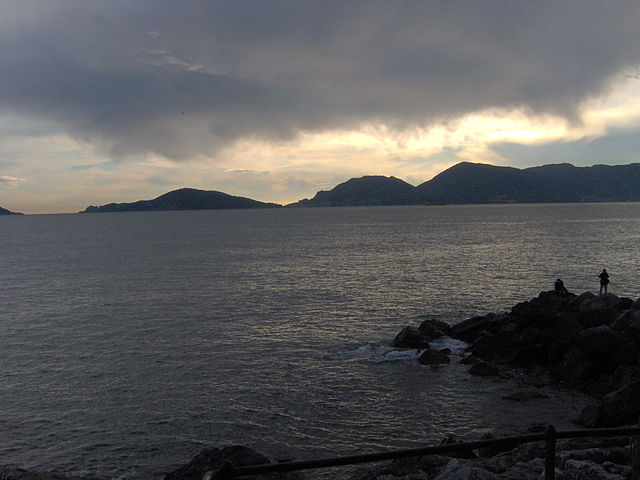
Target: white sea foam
[457,347]
[379,352]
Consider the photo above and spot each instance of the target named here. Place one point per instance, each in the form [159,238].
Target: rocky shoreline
[589,342]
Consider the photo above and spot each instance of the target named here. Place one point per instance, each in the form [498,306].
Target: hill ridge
[184,199]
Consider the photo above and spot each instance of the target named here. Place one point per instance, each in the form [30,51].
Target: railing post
[550,453]
[635,457]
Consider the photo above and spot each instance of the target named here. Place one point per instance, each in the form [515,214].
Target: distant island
[4,211]
[184,199]
[464,183]
[477,183]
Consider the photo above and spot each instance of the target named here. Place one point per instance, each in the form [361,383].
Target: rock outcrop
[596,459]
[212,459]
[591,341]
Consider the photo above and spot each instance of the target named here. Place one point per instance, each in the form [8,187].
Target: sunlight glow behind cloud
[117,101]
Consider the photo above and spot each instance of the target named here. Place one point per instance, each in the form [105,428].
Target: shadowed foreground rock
[585,459]
[212,459]
[11,473]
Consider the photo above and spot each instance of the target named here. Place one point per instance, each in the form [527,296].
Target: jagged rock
[432,328]
[618,455]
[621,407]
[627,320]
[576,302]
[575,366]
[596,318]
[608,301]
[490,346]
[409,337]
[634,448]
[546,304]
[463,453]
[433,357]
[625,374]
[584,470]
[469,330]
[597,341]
[626,354]
[589,417]
[212,459]
[626,303]
[455,470]
[428,466]
[488,452]
[483,369]
[528,356]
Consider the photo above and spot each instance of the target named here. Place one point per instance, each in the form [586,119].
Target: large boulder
[469,330]
[432,328]
[621,407]
[596,318]
[212,459]
[455,470]
[575,366]
[433,357]
[608,301]
[545,304]
[410,337]
[627,353]
[576,302]
[627,320]
[491,347]
[598,341]
[625,374]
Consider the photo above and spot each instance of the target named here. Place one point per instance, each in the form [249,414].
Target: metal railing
[228,471]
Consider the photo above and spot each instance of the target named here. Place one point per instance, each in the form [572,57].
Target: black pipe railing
[228,471]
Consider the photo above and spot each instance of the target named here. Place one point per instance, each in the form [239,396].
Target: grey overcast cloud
[118,101]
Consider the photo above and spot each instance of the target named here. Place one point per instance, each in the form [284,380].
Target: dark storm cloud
[184,78]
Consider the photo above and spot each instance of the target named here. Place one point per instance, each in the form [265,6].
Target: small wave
[378,352]
[457,347]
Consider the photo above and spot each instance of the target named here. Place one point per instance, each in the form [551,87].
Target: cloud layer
[185,79]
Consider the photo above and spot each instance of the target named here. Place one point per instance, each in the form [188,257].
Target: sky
[118,101]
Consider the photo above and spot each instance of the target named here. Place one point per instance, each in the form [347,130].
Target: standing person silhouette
[604,280]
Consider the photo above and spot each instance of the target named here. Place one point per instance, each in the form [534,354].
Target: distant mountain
[184,199]
[471,183]
[4,211]
[479,183]
[369,190]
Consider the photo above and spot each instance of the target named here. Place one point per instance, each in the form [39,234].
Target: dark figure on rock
[559,287]
[604,280]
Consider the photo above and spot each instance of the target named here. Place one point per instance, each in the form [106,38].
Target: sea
[129,342]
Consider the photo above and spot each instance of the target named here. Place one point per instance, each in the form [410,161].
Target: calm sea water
[130,341]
